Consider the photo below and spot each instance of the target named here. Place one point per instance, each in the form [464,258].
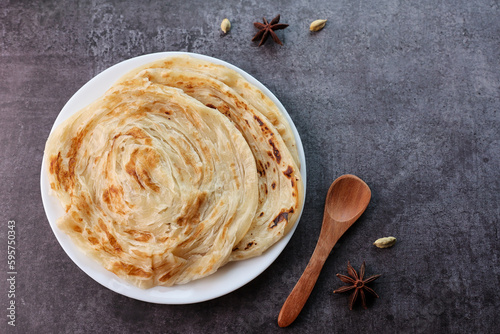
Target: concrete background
[404,94]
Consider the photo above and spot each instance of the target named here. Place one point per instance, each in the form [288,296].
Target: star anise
[266,29]
[357,283]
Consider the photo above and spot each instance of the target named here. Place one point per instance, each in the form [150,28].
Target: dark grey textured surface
[404,94]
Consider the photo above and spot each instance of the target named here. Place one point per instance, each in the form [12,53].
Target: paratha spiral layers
[157,187]
[280,184]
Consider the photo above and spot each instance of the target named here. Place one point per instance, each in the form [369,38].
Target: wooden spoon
[346,200]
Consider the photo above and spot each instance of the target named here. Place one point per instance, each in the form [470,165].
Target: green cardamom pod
[385,242]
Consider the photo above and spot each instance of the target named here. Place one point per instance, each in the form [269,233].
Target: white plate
[228,278]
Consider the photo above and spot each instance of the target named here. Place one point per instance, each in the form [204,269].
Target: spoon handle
[300,293]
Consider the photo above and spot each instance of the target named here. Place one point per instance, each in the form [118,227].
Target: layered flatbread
[180,167]
[157,187]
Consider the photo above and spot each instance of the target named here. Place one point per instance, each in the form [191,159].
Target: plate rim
[109,280]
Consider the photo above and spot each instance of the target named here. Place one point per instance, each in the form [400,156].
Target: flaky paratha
[182,166]
[280,185]
[254,96]
[157,187]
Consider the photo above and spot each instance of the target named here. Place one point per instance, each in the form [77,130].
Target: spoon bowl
[346,201]
[347,198]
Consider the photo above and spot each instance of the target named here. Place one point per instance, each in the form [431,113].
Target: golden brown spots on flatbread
[288,172]
[224,109]
[77,229]
[190,213]
[113,242]
[55,164]
[250,244]
[142,161]
[63,176]
[140,235]
[120,267]
[283,216]
[102,225]
[93,240]
[276,152]
[257,118]
[137,133]
[260,168]
[113,195]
